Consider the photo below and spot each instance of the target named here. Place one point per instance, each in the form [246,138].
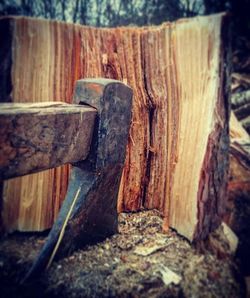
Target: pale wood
[237,132]
[35,137]
[232,238]
[179,107]
[223,241]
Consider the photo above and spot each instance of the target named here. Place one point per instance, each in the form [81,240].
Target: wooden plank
[39,136]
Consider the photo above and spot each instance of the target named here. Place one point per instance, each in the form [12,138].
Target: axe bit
[89,213]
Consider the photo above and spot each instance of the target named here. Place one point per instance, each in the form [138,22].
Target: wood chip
[150,248]
[169,276]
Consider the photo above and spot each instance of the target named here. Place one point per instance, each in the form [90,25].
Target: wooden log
[243,111]
[238,214]
[179,125]
[240,98]
[246,124]
[239,171]
[36,137]
[239,178]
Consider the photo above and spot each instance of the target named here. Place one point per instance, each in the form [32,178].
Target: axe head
[89,211]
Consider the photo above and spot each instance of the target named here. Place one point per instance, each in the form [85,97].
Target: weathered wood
[179,125]
[35,137]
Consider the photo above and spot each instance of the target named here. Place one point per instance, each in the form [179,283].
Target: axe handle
[40,136]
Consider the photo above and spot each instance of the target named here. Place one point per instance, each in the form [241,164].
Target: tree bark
[177,155]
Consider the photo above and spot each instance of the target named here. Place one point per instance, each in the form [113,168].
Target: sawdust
[140,261]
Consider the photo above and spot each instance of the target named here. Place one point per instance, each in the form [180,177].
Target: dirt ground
[139,261]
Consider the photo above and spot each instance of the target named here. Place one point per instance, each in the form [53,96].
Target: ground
[139,261]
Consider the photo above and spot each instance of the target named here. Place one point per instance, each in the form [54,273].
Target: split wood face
[177,154]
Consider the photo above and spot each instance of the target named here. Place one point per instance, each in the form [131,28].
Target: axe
[89,211]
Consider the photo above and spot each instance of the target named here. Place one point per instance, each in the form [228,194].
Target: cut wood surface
[179,126]
[35,137]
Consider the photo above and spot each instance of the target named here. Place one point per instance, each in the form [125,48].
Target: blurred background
[112,13]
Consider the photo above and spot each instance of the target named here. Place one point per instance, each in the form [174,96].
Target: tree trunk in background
[177,152]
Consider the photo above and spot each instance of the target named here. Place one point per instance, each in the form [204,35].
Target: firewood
[240,98]
[239,178]
[246,124]
[239,174]
[237,132]
[243,78]
[223,241]
[243,111]
[178,148]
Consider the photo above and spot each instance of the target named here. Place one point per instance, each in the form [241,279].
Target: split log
[237,132]
[177,152]
[36,137]
[242,78]
[246,124]
[239,177]
[243,111]
[240,98]
[239,171]
[240,166]
[223,241]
